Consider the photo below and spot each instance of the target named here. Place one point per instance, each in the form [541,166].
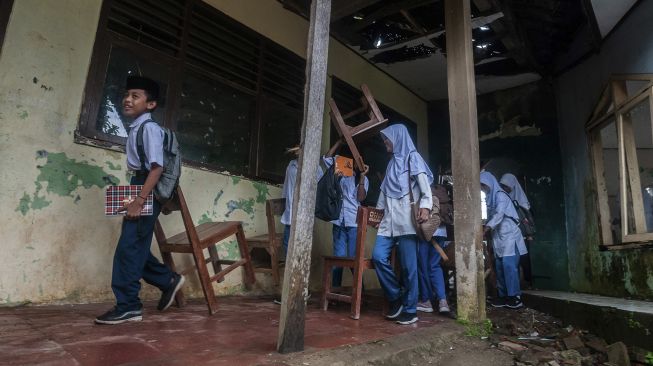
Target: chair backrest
[366,216]
[186,217]
[274,207]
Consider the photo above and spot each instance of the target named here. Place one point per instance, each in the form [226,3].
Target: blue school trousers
[507,269]
[407,253]
[430,274]
[344,245]
[133,260]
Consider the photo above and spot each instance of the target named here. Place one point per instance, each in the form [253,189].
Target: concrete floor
[243,332]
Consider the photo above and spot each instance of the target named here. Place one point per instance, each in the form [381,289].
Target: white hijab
[516,193]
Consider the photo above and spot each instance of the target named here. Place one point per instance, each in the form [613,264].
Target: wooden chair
[360,132]
[366,216]
[197,238]
[271,241]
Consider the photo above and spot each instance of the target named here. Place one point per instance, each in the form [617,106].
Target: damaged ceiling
[515,41]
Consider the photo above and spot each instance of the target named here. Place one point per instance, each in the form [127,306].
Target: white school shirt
[350,202]
[397,219]
[289,189]
[152,143]
[505,232]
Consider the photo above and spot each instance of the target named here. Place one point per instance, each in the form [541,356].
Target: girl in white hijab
[511,185]
[507,241]
[396,227]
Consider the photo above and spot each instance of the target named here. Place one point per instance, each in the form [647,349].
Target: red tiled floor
[243,332]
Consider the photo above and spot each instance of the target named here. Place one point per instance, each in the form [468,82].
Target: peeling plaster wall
[57,243]
[626,273]
[518,134]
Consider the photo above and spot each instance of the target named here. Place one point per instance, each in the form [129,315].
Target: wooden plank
[345,133]
[470,277]
[298,261]
[601,189]
[628,165]
[632,169]
[344,8]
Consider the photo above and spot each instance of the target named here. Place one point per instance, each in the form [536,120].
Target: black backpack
[328,202]
[525,222]
[169,180]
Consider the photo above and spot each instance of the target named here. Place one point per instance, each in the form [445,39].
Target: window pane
[280,130]
[638,148]
[610,155]
[215,123]
[123,63]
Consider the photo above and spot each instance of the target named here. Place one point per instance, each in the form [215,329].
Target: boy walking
[133,259]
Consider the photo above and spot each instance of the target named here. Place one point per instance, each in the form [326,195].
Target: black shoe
[406,318]
[498,302]
[116,317]
[168,296]
[395,309]
[514,302]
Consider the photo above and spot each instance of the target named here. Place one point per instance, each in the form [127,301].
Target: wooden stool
[375,123]
[366,216]
[197,238]
[271,241]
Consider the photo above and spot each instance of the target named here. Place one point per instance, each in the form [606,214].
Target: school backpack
[328,202]
[525,220]
[526,223]
[169,180]
[446,204]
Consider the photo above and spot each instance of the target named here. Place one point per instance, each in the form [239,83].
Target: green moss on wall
[263,192]
[63,176]
[246,205]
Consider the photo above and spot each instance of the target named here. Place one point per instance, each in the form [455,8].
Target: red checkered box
[117,196]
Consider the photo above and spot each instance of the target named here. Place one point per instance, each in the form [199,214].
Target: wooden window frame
[179,64]
[615,102]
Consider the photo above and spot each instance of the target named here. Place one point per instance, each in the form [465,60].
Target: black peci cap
[147,84]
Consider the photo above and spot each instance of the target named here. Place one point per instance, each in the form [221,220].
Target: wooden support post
[298,261]
[470,279]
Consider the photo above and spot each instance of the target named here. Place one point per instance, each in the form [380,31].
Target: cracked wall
[624,273]
[57,242]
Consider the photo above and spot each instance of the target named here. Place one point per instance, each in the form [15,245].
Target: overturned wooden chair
[197,238]
[366,216]
[271,241]
[360,132]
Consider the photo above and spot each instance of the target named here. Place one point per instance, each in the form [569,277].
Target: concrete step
[614,319]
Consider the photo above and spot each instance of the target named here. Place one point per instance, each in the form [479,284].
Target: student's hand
[423,215]
[365,170]
[133,209]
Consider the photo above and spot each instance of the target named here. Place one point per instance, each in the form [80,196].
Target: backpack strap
[513,204]
[140,148]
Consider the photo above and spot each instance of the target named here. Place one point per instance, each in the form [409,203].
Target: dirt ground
[444,344]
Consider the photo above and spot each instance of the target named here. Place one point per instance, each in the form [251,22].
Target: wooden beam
[387,10]
[298,260]
[344,8]
[470,276]
[601,189]
[632,171]
[414,23]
